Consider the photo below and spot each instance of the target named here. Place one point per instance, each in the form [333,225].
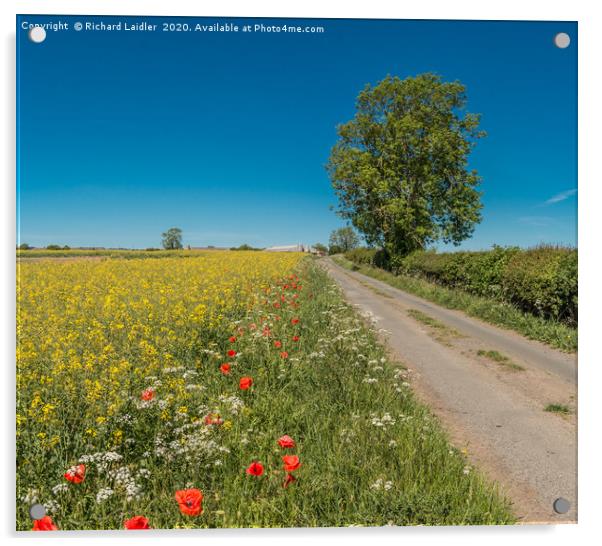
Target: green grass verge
[443,332]
[553,333]
[558,408]
[501,359]
[429,321]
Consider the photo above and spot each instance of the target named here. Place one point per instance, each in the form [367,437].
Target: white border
[590,376]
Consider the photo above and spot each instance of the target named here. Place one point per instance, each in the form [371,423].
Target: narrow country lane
[496,412]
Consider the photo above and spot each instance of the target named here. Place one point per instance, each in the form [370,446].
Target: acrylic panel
[295,272]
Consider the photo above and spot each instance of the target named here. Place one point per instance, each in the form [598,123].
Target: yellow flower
[90,334]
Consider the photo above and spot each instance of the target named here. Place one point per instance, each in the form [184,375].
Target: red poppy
[225,368]
[286,441]
[76,474]
[137,522]
[291,462]
[266,331]
[284,354]
[147,394]
[231,352]
[277,344]
[255,469]
[214,419]
[296,338]
[277,305]
[232,339]
[44,524]
[245,383]
[289,479]
[190,501]
[294,321]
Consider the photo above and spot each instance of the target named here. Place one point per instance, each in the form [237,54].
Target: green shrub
[361,256]
[476,272]
[541,280]
[382,259]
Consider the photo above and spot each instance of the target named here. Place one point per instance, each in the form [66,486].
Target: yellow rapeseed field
[90,332]
[219,389]
[88,329]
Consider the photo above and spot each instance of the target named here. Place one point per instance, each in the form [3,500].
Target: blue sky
[125,134]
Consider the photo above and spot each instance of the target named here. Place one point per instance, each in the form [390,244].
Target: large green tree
[400,166]
[172,239]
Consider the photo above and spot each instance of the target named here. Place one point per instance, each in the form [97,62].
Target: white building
[288,248]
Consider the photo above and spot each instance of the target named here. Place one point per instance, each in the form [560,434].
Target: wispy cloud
[536,221]
[562,196]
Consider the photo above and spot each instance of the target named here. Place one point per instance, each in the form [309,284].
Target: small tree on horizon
[172,239]
[343,240]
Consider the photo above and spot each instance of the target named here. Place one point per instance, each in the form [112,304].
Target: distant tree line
[25,246]
[245,246]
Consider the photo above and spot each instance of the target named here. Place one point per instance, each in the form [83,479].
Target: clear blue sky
[125,134]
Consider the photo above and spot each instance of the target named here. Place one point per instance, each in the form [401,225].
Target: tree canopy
[172,239]
[343,240]
[400,166]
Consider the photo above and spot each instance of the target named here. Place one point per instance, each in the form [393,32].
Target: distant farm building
[287,248]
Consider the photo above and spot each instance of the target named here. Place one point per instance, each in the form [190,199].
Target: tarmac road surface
[495,412]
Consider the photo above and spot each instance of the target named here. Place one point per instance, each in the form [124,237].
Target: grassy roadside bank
[553,333]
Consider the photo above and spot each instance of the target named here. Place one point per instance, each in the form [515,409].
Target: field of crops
[220,389]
